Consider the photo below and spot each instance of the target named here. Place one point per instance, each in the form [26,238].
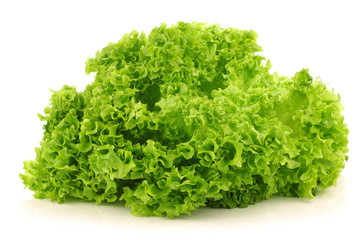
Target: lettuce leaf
[185,117]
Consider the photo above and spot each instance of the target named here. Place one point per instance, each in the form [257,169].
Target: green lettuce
[185,117]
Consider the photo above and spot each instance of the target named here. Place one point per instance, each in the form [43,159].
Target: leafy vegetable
[185,117]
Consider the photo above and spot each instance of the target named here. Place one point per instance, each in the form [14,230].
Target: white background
[44,45]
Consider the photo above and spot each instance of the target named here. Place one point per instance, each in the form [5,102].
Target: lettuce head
[185,117]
